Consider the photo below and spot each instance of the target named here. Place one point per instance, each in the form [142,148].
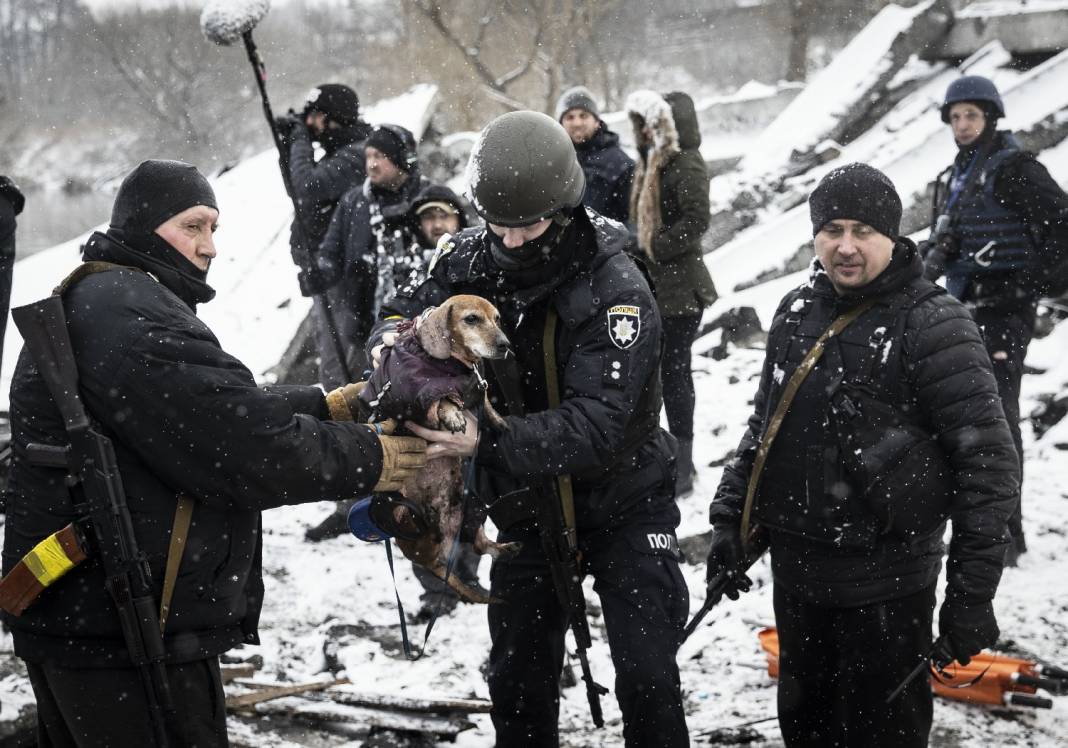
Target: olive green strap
[552,388]
[802,371]
[183,516]
[88,268]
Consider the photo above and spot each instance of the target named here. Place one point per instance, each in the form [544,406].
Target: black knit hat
[156,191]
[396,142]
[337,101]
[856,192]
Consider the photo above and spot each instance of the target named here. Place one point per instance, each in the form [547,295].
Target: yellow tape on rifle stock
[48,561]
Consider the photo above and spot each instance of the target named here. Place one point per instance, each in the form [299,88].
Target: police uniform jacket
[944,377]
[606,432]
[187,418]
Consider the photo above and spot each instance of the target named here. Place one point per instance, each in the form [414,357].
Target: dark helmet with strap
[524,169]
[977,89]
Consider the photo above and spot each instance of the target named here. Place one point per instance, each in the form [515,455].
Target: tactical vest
[805,490]
[991,238]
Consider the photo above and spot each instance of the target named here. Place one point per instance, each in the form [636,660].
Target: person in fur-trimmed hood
[669,205]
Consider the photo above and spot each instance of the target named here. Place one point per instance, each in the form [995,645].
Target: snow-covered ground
[341,588]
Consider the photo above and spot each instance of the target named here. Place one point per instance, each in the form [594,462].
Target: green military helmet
[524,169]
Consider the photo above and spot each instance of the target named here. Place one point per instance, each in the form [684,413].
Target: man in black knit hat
[851,493]
[609,171]
[366,251]
[331,118]
[187,421]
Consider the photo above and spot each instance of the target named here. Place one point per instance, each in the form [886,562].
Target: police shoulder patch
[624,325]
[445,245]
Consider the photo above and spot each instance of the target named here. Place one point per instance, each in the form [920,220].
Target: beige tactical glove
[344,402]
[402,457]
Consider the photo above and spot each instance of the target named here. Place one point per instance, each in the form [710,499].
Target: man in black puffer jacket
[854,601]
[609,171]
[185,418]
[366,252]
[557,271]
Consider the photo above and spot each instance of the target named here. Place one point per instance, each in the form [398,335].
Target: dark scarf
[521,277]
[153,254]
[333,139]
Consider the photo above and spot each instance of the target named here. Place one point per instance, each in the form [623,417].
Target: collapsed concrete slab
[847,88]
[1026,27]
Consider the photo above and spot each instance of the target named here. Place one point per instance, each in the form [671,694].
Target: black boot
[684,472]
[335,525]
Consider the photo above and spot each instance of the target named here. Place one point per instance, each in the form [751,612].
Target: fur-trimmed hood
[672,118]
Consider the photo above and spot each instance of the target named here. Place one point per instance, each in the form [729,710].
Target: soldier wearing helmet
[1000,236]
[557,272]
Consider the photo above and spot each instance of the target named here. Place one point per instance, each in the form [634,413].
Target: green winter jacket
[683,283]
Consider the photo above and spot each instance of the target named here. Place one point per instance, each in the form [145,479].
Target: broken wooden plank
[246,700]
[389,701]
[383,719]
[230,672]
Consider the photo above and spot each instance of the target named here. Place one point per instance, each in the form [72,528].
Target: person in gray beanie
[876,418]
[609,171]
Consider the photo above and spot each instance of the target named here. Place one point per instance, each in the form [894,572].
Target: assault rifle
[96,488]
[560,543]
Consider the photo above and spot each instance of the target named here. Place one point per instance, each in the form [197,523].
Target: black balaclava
[150,195]
[530,255]
[156,191]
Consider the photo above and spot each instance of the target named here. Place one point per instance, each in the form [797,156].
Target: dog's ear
[435,334]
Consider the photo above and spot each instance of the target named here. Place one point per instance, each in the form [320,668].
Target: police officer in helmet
[557,272]
[1000,237]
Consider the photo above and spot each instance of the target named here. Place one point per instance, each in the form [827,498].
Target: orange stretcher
[990,678]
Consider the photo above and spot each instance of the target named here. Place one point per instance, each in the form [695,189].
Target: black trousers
[107,707]
[1007,335]
[838,665]
[644,602]
[352,322]
[676,374]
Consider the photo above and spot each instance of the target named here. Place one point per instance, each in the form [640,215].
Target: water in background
[52,217]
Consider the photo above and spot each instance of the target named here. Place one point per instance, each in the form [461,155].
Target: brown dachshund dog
[430,375]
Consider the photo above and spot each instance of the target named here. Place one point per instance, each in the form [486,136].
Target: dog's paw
[451,418]
[505,551]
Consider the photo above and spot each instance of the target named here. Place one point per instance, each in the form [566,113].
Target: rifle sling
[808,363]
[60,552]
[183,516]
[552,388]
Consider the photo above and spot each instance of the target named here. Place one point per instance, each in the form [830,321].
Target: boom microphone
[225,21]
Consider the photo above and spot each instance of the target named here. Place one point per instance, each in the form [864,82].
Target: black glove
[288,124]
[936,255]
[967,628]
[726,559]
